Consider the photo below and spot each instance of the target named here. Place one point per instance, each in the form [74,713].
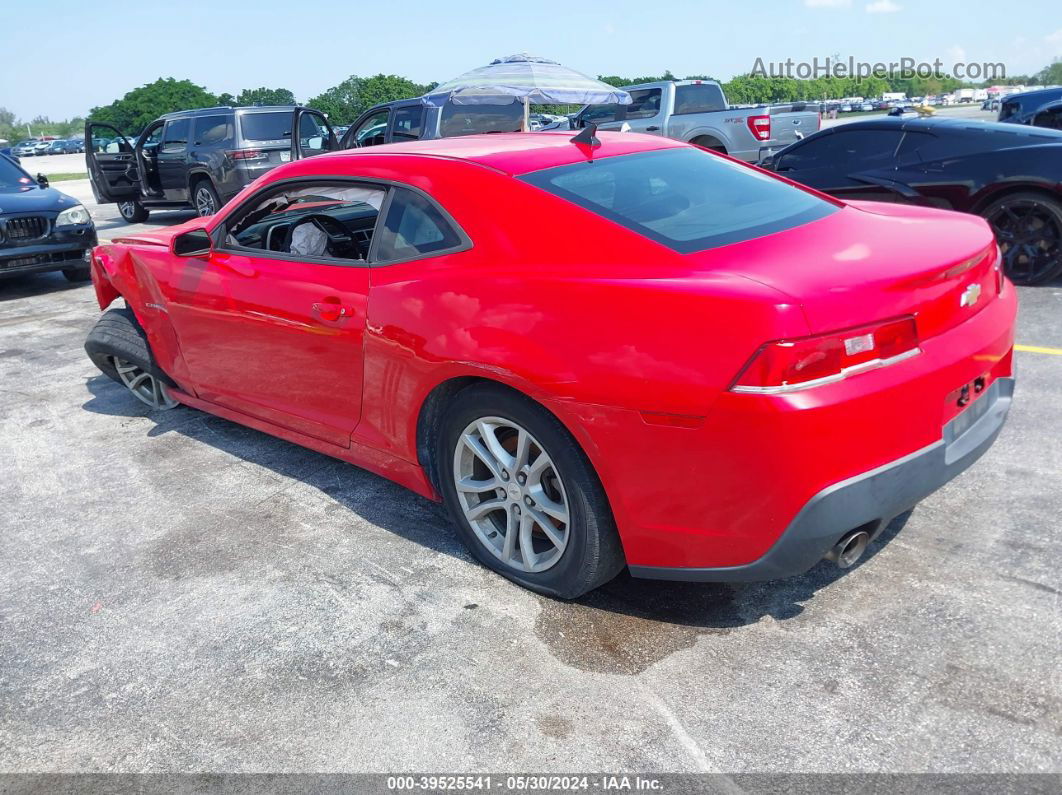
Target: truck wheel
[118,346]
[707,142]
[133,212]
[205,198]
[524,497]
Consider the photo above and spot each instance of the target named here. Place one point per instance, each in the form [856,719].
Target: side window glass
[814,153]
[598,114]
[644,105]
[175,136]
[1050,118]
[866,148]
[912,145]
[313,133]
[413,227]
[320,222]
[698,98]
[213,130]
[406,124]
[372,131]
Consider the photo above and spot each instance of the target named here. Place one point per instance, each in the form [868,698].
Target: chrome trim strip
[873,364]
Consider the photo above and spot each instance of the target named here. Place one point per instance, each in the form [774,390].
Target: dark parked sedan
[41,229]
[1009,174]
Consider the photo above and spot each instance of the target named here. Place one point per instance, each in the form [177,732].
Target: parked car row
[35,147]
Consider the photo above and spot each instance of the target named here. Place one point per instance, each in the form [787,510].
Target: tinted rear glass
[687,199]
[471,119]
[265,126]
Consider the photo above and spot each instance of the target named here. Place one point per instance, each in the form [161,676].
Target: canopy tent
[528,79]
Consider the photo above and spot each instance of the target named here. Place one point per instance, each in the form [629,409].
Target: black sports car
[1010,174]
[41,229]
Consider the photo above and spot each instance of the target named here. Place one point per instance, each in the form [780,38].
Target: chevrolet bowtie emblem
[970,295]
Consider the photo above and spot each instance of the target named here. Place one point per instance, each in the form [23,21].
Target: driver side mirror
[196,243]
[42,181]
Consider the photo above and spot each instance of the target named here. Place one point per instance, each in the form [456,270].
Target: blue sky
[64,57]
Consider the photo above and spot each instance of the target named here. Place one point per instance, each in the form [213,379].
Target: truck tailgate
[788,125]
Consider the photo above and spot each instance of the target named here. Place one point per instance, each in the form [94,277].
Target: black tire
[204,198]
[593,554]
[1028,227]
[82,274]
[710,143]
[117,333]
[133,212]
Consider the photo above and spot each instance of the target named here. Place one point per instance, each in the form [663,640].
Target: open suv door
[311,134]
[111,160]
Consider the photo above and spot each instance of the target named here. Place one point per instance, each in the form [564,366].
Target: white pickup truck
[696,111]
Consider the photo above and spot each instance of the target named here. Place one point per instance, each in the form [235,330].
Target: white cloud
[827,3]
[883,7]
[1054,39]
[957,54]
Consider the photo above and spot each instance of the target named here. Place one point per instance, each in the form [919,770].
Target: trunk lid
[871,261]
[789,124]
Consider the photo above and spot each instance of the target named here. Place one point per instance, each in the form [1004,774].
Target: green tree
[265,96]
[345,102]
[227,99]
[143,105]
[1050,75]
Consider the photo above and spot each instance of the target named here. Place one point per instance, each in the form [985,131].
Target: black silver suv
[198,158]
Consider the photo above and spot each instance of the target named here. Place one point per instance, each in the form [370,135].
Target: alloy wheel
[127,209]
[1030,238]
[146,387]
[511,494]
[204,202]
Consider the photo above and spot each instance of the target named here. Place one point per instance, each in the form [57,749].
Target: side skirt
[402,472]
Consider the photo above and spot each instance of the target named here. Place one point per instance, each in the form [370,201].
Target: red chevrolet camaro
[597,353]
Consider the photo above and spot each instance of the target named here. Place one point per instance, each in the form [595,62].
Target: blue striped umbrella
[528,79]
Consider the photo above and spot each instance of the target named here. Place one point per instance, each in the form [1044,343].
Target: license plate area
[285,157]
[977,399]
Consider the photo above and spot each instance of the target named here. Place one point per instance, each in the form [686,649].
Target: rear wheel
[524,496]
[133,211]
[1028,227]
[707,142]
[205,198]
[118,346]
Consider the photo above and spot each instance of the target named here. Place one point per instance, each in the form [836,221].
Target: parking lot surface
[178,592]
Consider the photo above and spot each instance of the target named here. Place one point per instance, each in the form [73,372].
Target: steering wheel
[340,241]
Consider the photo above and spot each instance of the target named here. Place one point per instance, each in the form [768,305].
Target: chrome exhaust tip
[847,552]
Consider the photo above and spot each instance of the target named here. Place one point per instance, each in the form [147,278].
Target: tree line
[345,102]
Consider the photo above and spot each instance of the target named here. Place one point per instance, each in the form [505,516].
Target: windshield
[11,176]
[472,119]
[266,126]
[687,199]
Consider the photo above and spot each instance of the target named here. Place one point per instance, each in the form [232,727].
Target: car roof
[225,109]
[971,127]
[520,153]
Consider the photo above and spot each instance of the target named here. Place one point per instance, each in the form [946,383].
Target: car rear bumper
[868,501]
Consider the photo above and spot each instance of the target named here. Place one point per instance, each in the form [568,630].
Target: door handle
[654,128]
[329,310]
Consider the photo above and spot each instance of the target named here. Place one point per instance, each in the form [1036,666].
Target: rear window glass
[472,119]
[266,126]
[687,199]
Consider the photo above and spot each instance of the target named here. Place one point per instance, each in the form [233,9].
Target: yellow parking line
[1038,349]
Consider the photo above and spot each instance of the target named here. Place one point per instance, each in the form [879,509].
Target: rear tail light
[1001,280]
[248,154]
[760,127]
[790,365]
